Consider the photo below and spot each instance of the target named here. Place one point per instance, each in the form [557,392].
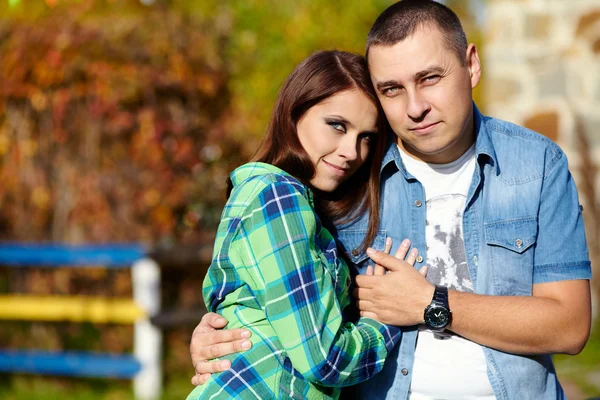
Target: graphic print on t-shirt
[445,245]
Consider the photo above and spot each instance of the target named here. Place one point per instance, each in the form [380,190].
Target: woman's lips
[336,170]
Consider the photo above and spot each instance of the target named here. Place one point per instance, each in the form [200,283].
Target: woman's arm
[280,232]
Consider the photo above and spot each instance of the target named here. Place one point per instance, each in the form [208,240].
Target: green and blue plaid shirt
[276,271]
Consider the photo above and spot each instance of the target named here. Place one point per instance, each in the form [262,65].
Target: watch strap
[440,296]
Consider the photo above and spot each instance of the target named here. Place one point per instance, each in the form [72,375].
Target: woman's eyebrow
[339,118]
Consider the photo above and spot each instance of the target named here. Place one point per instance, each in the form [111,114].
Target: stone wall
[541,63]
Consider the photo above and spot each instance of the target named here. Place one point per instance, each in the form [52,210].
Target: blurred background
[121,119]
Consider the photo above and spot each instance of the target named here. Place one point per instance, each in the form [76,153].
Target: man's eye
[432,79]
[391,91]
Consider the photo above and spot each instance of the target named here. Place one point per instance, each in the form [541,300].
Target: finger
[213,320]
[367,314]
[403,249]
[200,379]
[389,262]
[367,282]
[365,305]
[201,339]
[412,256]
[369,270]
[380,270]
[219,350]
[423,270]
[208,367]
[388,245]
[360,293]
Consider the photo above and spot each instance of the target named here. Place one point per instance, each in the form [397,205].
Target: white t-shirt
[447,366]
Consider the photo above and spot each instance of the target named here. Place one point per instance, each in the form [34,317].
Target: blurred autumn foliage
[109,128]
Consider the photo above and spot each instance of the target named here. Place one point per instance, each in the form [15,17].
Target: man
[494,212]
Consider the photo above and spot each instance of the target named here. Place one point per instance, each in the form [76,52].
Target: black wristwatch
[437,314]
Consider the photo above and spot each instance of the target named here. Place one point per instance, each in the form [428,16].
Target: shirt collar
[483,141]
[483,145]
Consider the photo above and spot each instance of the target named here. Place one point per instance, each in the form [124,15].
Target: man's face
[426,94]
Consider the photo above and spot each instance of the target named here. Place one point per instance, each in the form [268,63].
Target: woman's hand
[401,254]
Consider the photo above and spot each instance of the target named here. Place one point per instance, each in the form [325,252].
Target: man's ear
[473,64]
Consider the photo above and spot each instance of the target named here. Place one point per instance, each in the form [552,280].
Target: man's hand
[209,342]
[396,298]
[554,319]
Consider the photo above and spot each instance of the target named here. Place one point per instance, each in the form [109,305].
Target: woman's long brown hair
[318,77]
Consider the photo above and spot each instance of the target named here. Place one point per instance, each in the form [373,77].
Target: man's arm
[210,341]
[555,319]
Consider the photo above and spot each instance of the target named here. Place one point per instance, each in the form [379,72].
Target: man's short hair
[401,20]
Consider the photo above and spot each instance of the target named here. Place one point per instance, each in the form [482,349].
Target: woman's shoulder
[257,179]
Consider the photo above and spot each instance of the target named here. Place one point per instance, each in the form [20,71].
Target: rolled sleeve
[561,251]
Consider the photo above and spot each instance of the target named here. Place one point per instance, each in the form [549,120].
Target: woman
[276,269]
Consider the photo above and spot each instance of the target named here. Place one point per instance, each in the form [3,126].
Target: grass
[583,370]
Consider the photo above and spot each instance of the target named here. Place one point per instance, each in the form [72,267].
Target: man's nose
[417,106]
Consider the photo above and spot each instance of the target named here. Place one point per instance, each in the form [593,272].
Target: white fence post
[147,384]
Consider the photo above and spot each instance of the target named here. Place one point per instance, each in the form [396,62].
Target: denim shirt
[522,225]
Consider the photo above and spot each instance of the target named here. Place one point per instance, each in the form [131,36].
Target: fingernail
[225,365]
[245,334]
[388,240]
[405,242]
[246,344]
[370,252]
[414,251]
[221,320]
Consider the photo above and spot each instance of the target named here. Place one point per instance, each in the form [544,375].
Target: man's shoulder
[521,150]
[517,135]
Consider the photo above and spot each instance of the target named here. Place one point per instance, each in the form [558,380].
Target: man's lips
[424,128]
[337,170]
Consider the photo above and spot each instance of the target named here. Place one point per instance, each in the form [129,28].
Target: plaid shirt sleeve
[280,235]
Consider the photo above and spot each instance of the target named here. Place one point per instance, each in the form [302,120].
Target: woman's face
[336,133]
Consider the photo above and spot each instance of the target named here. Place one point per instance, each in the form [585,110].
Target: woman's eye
[370,138]
[338,126]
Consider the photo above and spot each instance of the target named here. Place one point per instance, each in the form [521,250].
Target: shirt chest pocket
[510,248]
[351,241]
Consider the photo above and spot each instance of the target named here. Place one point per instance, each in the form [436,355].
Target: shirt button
[354,252]
[418,203]
[519,243]
[404,371]
[419,259]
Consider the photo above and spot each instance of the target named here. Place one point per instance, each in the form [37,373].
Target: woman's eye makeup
[337,125]
[369,137]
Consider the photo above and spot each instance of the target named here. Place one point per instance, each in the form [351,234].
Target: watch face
[436,317]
